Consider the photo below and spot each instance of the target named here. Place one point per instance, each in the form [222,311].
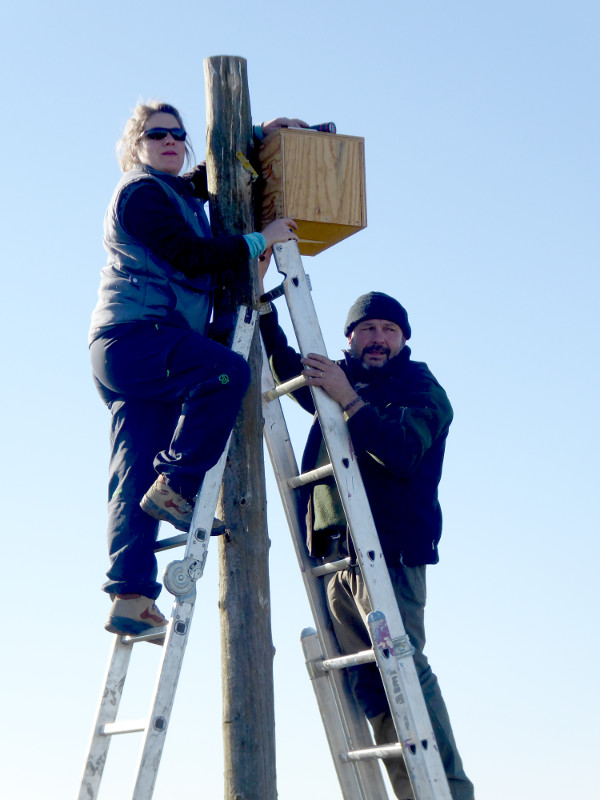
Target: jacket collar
[176,182]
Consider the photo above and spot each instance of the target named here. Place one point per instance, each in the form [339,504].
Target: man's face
[375,341]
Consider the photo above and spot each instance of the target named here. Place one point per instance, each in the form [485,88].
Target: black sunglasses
[178,134]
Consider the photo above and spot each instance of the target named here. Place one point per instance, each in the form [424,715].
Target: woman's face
[164,155]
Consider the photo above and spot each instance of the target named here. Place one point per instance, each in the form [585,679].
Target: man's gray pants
[348,607]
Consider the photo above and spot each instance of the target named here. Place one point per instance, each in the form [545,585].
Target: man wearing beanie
[398,416]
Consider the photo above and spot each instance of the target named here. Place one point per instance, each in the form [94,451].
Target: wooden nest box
[318,179]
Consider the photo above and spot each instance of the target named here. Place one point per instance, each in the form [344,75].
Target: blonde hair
[127,145]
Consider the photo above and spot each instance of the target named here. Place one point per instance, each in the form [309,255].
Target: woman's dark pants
[174,396]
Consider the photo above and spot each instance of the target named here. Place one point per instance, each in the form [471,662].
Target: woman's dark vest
[137,284]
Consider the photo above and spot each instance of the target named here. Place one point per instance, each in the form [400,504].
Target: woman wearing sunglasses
[173,393]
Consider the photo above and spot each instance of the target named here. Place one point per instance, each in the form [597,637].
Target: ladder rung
[318,667]
[149,636]
[285,388]
[383,751]
[115,728]
[342,662]
[311,477]
[332,566]
[170,542]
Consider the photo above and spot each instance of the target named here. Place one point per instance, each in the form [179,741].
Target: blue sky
[481,129]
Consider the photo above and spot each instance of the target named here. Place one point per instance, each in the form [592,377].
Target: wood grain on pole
[244,596]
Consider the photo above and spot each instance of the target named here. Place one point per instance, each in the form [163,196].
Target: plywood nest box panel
[318,179]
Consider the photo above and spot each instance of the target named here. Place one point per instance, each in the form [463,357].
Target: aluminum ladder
[180,580]
[346,728]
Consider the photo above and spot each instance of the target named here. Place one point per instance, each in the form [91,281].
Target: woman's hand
[282,122]
[280,230]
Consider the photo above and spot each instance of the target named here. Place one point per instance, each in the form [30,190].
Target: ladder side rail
[182,577]
[408,708]
[364,781]
[350,728]
[164,694]
[337,439]
[181,580]
[398,673]
[202,519]
[285,468]
[108,707]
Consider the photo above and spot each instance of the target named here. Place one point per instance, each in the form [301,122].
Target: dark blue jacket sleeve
[149,215]
[284,360]
[399,433]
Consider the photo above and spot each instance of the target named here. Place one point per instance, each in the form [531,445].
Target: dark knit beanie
[377,305]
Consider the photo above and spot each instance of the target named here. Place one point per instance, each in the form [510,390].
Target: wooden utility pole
[246,640]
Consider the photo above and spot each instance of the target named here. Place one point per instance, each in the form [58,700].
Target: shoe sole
[125,626]
[154,510]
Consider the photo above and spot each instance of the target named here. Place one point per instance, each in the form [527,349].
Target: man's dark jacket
[399,438]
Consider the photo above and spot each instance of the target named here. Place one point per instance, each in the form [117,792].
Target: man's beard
[375,348]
